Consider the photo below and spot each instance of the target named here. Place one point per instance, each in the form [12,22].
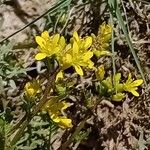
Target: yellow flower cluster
[76,53]
[56,109]
[114,88]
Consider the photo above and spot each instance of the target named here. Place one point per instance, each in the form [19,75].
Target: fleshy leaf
[118,97]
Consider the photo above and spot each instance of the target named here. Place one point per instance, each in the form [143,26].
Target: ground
[109,125]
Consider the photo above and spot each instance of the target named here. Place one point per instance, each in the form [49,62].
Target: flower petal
[62,41]
[41,42]
[90,64]
[87,56]
[56,50]
[135,93]
[56,39]
[75,49]
[68,59]
[55,118]
[78,70]
[65,123]
[137,82]
[40,56]
[88,42]
[65,105]
[75,35]
[45,35]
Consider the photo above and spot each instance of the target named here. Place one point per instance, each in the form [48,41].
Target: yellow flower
[54,106]
[84,44]
[131,86]
[117,85]
[49,45]
[75,54]
[105,32]
[56,109]
[101,41]
[100,72]
[108,84]
[78,55]
[32,88]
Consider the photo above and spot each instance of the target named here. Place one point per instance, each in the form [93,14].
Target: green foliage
[2,133]
[82,135]
[9,66]
[4,130]
[63,88]
[38,134]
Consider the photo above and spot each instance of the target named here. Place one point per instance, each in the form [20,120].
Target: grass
[116,12]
